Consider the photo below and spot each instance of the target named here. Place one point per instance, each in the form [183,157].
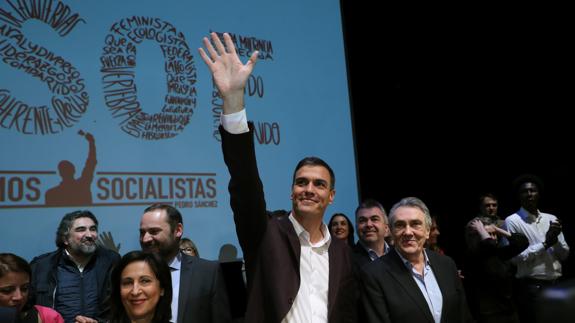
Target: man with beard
[538,266]
[199,291]
[75,279]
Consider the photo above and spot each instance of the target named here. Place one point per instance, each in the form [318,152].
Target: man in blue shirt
[411,284]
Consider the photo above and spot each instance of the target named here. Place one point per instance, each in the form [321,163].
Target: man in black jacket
[198,286]
[411,284]
[75,279]
[372,229]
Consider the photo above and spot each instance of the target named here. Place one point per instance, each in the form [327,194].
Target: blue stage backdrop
[106,105]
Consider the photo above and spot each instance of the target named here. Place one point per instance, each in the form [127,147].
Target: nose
[135,289]
[408,230]
[309,187]
[146,237]
[17,295]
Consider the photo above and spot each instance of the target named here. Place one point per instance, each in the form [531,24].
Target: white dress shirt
[310,304]
[536,261]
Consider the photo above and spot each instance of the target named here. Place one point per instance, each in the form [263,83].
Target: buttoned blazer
[391,295]
[271,247]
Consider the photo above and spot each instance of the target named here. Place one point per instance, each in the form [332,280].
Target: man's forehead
[313,172]
[528,185]
[83,222]
[489,200]
[369,212]
[154,218]
[409,213]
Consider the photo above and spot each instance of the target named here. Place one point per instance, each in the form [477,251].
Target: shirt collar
[304,235]
[526,215]
[408,264]
[176,263]
[372,254]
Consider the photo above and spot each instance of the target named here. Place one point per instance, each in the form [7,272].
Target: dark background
[449,107]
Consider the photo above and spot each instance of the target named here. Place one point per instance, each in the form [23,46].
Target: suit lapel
[335,263]
[440,276]
[398,271]
[186,273]
[286,228]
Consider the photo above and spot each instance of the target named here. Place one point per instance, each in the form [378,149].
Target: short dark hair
[315,161]
[483,196]
[66,224]
[350,236]
[174,216]
[163,311]
[527,178]
[368,204]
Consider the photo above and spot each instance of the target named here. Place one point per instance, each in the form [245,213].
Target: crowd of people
[297,268]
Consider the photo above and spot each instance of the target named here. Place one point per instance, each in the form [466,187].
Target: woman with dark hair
[141,289]
[15,275]
[432,242]
[341,228]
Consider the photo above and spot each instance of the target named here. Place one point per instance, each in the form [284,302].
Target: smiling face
[339,227]
[371,225]
[140,291]
[157,236]
[311,191]
[82,237]
[14,287]
[410,231]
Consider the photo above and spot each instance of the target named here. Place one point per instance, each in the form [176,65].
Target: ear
[331,196]
[179,230]
[162,292]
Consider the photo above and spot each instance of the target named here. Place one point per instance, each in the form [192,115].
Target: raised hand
[478,226]
[107,241]
[229,73]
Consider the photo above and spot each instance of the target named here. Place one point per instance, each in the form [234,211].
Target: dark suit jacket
[271,247]
[360,255]
[391,295]
[202,297]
